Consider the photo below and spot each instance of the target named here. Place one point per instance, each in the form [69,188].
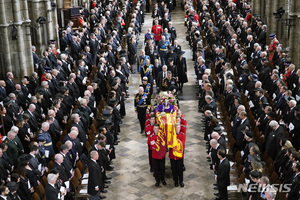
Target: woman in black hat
[182,70]
[24,133]
[6,120]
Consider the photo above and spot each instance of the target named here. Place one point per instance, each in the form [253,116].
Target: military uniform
[149,133]
[157,30]
[172,31]
[163,47]
[167,83]
[48,143]
[168,37]
[142,62]
[147,71]
[149,36]
[141,103]
[177,162]
[149,90]
[13,151]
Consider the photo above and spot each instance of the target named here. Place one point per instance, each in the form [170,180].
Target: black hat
[114,84]
[172,48]
[26,116]
[12,186]
[249,134]
[20,118]
[272,115]
[24,159]
[265,103]
[171,59]
[237,94]
[181,52]
[255,174]
[218,129]
[106,113]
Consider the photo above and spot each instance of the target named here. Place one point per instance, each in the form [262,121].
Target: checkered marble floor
[131,178]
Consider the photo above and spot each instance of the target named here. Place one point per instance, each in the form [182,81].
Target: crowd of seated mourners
[72,104]
[258,94]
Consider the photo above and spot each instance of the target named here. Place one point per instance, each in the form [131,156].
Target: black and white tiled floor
[131,178]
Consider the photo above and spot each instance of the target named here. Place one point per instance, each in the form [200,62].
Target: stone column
[6,47]
[256,7]
[50,28]
[294,51]
[27,40]
[34,16]
[20,39]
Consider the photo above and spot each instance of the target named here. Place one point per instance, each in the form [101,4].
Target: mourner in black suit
[295,187]
[51,191]
[222,177]
[94,182]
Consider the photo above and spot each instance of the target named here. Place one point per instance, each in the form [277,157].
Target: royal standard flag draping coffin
[167,135]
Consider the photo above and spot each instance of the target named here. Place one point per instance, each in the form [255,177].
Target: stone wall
[19,16]
[288,36]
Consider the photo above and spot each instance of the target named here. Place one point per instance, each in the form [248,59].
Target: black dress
[181,69]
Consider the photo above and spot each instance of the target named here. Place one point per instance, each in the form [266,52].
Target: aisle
[131,178]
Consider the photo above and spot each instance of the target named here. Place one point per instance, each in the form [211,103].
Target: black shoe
[105,186]
[208,160]
[164,182]
[110,168]
[107,178]
[215,184]
[151,170]
[156,184]
[142,132]
[216,194]
[181,184]
[215,188]
[106,181]
[103,191]
[102,197]
[116,143]
[176,184]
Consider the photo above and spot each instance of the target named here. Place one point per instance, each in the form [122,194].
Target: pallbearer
[177,162]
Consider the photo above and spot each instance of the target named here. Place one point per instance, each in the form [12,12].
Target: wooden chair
[50,164]
[77,174]
[35,196]
[80,166]
[40,190]
[58,145]
[44,180]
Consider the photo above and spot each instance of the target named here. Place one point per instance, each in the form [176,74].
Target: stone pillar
[27,39]
[294,51]
[6,47]
[50,28]
[20,39]
[256,7]
[34,11]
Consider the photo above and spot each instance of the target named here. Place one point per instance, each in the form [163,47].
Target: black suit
[240,135]
[295,187]
[214,157]
[223,178]
[82,133]
[51,193]
[94,178]
[10,86]
[64,174]
[273,142]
